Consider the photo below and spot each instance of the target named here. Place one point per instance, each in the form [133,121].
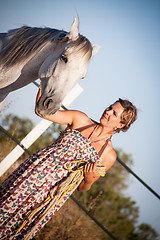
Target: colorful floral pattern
[29,185]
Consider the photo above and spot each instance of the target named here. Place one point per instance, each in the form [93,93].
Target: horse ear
[74,31]
[95,49]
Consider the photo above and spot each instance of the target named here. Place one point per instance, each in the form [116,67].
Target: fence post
[36,132]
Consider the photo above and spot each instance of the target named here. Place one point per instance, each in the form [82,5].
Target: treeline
[106,199]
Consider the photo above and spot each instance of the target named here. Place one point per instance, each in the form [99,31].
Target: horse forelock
[25,41]
[82,47]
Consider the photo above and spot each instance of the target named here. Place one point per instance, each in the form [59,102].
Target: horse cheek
[47,68]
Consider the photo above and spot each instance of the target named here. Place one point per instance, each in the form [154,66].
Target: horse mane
[24,41]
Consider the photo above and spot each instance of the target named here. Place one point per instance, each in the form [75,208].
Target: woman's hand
[90,171]
[90,176]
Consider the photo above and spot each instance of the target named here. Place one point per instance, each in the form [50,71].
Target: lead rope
[76,179]
[68,187]
[80,170]
[31,215]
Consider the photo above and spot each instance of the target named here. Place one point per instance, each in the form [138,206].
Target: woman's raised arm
[64,117]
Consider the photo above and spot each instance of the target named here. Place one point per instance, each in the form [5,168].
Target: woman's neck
[102,131]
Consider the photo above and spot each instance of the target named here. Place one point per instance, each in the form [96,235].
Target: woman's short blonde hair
[129,114]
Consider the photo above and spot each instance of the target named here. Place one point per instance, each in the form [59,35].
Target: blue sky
[126,66]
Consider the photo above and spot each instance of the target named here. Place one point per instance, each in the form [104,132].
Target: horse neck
[50,51]
[30,66]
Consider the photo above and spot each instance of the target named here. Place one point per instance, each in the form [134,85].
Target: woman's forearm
[37,98]
[84,186]
[90,176]
[38,95]
[86,183]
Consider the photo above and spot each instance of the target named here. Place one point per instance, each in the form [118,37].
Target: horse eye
[64,58]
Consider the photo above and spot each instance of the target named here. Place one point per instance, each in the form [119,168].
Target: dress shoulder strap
[90,135]
[103,147]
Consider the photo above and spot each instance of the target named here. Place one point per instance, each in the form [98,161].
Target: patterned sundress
[37,189]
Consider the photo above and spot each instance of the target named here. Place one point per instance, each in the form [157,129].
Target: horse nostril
[47,102]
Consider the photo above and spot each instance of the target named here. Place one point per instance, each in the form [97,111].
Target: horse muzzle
[47,107]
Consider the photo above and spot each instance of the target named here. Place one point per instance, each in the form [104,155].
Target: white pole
[36,132]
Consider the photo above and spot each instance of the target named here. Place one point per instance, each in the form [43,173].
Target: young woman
[83,152]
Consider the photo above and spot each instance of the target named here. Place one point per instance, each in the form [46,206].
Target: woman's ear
[121,125]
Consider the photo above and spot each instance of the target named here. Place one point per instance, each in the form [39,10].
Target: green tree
[143,232]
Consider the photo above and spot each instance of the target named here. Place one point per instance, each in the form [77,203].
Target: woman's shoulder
[80,119]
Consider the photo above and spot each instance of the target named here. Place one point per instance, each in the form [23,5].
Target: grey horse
[58,58]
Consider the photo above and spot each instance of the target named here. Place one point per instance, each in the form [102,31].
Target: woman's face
[111,117]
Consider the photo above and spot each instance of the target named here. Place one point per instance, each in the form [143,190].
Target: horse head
[61,70]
